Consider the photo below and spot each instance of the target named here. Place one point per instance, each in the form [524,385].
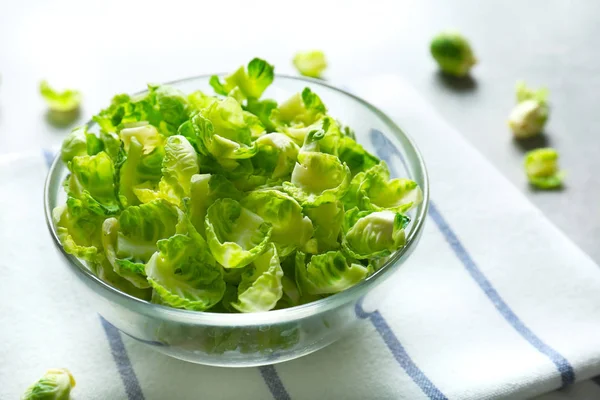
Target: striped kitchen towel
[495,303]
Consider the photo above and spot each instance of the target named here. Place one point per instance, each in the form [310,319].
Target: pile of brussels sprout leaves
[228,203]
[455,58]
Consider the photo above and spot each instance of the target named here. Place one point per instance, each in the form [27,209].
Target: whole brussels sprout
[453,53]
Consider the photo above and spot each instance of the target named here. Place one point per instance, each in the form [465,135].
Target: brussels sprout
[541,166]
[453,53]
[56,384]
[310,63]
[529,116]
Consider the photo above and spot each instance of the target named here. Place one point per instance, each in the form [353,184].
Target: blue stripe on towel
[117,348]
[562,364]
[399,353]
[385,148]
[269,374]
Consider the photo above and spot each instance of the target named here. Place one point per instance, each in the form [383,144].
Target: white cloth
[495,303]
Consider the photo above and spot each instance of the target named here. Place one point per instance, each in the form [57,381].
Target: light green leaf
[163,107]
[75,144]
[179,165]
[541,166]
[137,168]
[260,288]
[205,190]
[147,135]
[250,81]
[525,93]
[370,234]
[310,63]
[318,178]
[184,274]
[79,229]
[299,115]
[92,180]
[235,235]
[373,190]
[327,273]
[56,384]
[276,156]
[262,109]
[327,222]
[291,229]
[223,130]
[133,272]
[140,227]
[198,100]
[65,101]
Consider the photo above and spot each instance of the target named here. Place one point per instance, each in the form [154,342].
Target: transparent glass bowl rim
[268,317]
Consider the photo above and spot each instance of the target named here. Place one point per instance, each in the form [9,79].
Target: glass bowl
[241,340]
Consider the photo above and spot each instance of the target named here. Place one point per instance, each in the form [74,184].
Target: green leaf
[525,93]
[327,273]
[346,149]
[369,234]
[147,135]
[65,101]
[112,145]
[310,63]
[199,100]
[223,131]
[250,81]
[56,384]
[137,169]
[180,163]
[262,109]
[299,115]
[374,191]
[318,178]
[75,144]
[133,272]
[235,235]
[541,166]
[79,229]
[184,274]
[261,288]
[291,229]
[140,227]
[327,222]
[276,155]
[205,190]
[92,180]
[163,107]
